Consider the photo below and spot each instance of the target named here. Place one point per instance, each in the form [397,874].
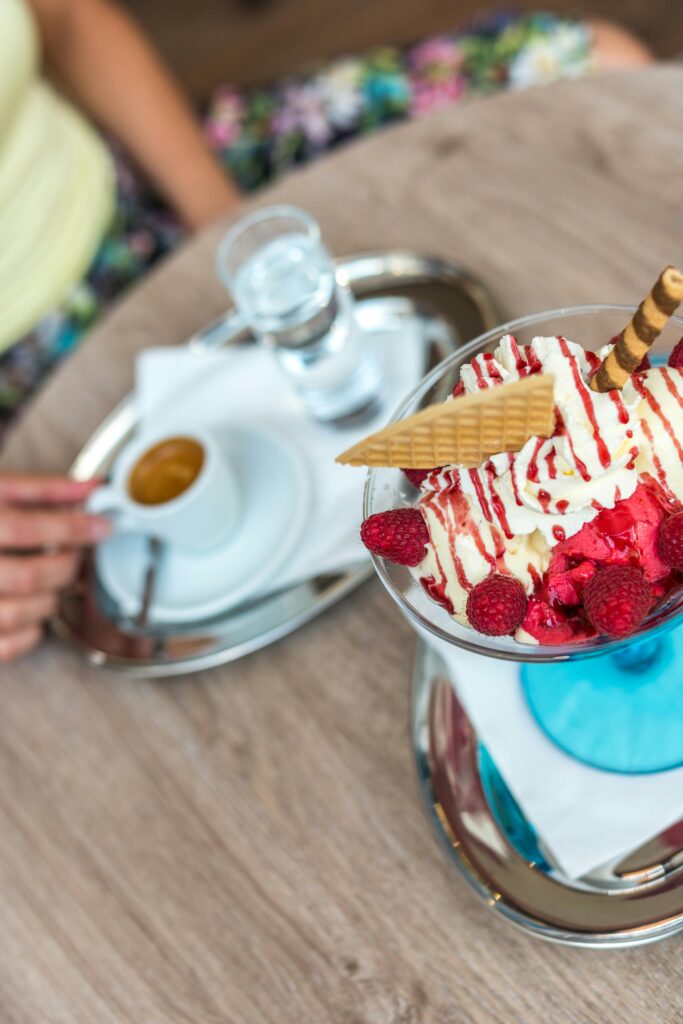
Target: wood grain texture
[247,845]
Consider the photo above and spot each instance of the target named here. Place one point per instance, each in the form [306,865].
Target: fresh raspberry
[671,540]
[418,476]
[497,605]
[400,535]
[617,599]
[676,357]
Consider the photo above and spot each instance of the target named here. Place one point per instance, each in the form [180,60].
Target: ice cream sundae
[577,533]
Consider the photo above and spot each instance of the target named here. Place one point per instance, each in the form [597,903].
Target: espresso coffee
[165,471]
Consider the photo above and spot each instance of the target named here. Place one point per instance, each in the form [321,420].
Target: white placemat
[585,816]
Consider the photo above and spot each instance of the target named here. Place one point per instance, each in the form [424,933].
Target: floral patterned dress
[259,135]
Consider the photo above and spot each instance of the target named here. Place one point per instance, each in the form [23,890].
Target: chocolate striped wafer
[635,340]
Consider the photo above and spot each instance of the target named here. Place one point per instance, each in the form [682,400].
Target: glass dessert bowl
[615,703]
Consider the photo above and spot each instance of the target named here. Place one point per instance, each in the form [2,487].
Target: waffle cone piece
[465,431]
[638,336]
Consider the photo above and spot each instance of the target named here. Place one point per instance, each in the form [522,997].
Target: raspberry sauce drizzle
[479,490]
[520,361]
[534,364]
[659,413]
[582,388]
[544,499]
[441,584]
[656,461]
[579,463]
[437,592]
[532,471]
[481,381]
[436,507]
[468,525]
[513,478]
[671,387]
[496,503]
[594,361]
[491,369]
[622,411]
[452,511]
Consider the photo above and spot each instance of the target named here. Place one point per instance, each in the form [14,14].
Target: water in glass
[286,289]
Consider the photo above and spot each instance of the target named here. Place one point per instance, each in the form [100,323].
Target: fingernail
[100,527]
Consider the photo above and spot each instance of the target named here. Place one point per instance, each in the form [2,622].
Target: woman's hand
[42,533]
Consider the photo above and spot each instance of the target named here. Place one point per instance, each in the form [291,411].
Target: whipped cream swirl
[507,514]
[555,484]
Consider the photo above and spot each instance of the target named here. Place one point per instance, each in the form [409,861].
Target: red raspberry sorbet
[671,540]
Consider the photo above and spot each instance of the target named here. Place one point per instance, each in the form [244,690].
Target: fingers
[16,613]
[40,529]
[29,584]
[49,490]
[13,645]
[37,574]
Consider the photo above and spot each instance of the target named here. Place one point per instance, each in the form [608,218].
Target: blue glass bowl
[614,704]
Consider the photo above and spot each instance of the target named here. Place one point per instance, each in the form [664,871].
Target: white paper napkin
[585,816]
[244,385]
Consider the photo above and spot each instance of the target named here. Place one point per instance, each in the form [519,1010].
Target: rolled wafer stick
[465,431]
[637,337]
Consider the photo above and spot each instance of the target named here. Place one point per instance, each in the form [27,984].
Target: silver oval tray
[390,288]
[635,899]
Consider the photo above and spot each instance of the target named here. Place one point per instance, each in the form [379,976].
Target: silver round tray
[635,899]
[390,288]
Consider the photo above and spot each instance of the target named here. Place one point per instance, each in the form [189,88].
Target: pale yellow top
[56,184]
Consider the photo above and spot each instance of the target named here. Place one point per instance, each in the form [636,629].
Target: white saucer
[276,493]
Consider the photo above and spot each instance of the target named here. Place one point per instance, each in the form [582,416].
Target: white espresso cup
[175,484]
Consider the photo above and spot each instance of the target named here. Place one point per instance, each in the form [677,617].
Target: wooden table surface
[247,845]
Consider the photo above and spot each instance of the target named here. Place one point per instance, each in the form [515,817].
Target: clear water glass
[286,290]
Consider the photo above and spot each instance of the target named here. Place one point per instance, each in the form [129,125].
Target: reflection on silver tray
[390,287]
[635,899]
